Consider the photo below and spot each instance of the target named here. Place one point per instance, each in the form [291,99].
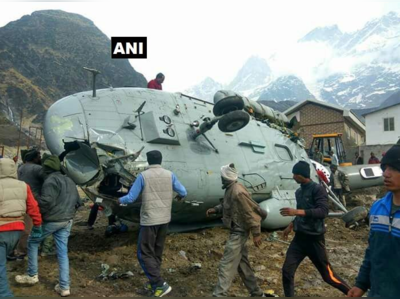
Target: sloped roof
[381,108]
[350,115]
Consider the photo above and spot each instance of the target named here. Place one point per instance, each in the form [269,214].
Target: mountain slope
[254,73]
[41,60]
[205,90]
[286,88]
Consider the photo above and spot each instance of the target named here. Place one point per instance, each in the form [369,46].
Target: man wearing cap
[156,186]
[242,216]
[309,226]
[58,206]
[379,272]
[16,199]
[31,173]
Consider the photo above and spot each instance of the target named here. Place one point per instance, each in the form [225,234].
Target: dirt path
[89,249]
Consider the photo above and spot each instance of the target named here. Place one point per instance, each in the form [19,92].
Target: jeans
[60,232]
[8,242]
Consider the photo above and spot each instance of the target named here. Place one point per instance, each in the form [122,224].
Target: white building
[382,130]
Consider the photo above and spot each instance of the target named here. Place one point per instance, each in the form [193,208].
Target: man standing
[31,173]
[359,160]
[334,158]
[339,183]
[318,156]
[309,226]
[58,206]
[156,83]
[373,159]
[16,199]
[241,215]
[156,185]
[379,271]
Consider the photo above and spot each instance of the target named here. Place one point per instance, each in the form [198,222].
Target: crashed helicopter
[102,137]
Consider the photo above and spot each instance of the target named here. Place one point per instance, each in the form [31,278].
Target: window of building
[388,124]
[283,152]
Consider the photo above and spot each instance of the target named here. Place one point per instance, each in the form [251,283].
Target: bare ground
[89,249]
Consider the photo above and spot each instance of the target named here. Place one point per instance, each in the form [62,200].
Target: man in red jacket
[16,199]
[156,83]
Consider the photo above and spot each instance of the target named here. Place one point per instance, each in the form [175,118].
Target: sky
[194,39]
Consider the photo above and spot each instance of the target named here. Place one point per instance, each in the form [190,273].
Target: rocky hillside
[41,61]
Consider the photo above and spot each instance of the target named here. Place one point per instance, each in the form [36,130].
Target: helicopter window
[283,152]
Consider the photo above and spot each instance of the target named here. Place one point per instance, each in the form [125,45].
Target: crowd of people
[50,200]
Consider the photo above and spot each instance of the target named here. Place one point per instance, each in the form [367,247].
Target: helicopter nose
[64,121]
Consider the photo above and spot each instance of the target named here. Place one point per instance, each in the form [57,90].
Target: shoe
[20,258]
[11,258]
[26,279]
[90,227]
[148,287]
[50,253]
[162,291]
[63,293]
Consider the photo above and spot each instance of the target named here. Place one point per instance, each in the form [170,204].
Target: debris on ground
[88,249]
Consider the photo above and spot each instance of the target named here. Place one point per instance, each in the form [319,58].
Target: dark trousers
[150,249]
[8,242]
[340,196]
[93,216]
[314,249]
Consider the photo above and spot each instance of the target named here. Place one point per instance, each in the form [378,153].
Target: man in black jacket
[309,226]
[57,205]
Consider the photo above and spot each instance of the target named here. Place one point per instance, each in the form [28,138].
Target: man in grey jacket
[31,173]
[156,186]
[57,206]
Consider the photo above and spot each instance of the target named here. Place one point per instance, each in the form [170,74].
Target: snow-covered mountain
[356,70]
[364,69]
[329,34]
[205,90]
[367,86]
[254,73]
[286,88]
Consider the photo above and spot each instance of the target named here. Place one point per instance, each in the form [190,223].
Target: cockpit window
[283,152]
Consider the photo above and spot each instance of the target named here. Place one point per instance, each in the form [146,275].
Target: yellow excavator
[327,142]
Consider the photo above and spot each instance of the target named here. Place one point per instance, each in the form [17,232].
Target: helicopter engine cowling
[274,220]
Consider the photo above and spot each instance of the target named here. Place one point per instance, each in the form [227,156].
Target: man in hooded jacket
[16,200]
[58,206]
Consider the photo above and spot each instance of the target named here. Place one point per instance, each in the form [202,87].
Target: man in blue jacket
[156,186]
[379,271]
